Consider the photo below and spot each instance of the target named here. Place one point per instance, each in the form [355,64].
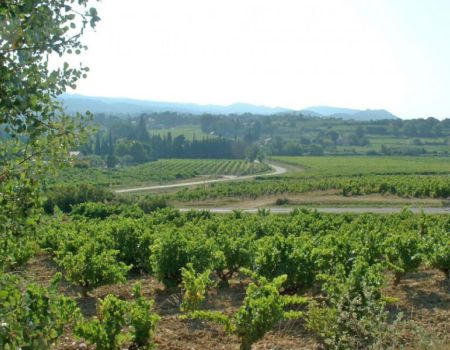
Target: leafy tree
[141,130]
[334,136]
[111,161]
[251,153]
[38,135]
[315,150]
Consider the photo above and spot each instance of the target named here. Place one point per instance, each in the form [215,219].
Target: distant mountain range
[347,113]
[79,103]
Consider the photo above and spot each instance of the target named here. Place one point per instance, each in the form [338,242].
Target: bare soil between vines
[424,297]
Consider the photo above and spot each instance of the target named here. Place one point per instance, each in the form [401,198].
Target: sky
[365,54]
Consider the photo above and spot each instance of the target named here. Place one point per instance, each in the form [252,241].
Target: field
[180,226]
[161,171]
[188,131]
[331,262]
[363,165]
[134,273]
[349,177]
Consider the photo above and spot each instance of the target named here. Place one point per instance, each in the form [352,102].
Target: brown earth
[423,298]
[315,199]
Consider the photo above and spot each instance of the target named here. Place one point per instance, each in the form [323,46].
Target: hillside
[79,103]
[347,113]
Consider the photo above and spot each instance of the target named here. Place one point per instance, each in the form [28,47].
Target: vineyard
[418,186]
[198,280]
[159,171]
[360,165]
[407,177]
[87,265]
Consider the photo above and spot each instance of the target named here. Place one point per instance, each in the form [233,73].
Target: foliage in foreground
[263,307]
[32,317]
[105,330]
[35,133]
[108,330]
[194,288]
[352,316]
[344,258]
[89,259]
[142,320]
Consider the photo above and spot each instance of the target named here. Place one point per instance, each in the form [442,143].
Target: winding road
[277,170]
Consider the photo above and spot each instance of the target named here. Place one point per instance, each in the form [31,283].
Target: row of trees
[230,136]
[139,146]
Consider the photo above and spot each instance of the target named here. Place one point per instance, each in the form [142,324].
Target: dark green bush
[174,248]
[66,196]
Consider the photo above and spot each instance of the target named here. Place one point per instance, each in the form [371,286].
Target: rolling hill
[126,106]
[347,113]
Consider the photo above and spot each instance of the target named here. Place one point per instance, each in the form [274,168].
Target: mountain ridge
[79,103]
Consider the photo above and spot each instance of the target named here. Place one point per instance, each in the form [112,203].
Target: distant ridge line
[110,105]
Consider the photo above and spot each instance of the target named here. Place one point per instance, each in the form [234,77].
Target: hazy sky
[392,54]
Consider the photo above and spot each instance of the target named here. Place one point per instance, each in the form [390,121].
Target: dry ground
[329,198]
[424,297]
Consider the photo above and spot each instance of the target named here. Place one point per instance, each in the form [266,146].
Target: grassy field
[166,170]
[363,165]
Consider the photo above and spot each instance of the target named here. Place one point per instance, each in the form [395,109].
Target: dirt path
[277,170]
[336,210]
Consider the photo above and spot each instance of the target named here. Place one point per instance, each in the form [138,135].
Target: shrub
[282,201]
[142,320]
[263,307]
[92,210]
[277,255]
[132,239]
[174,248]
[234,249]
[438,250]
[32,319]
[194,288]
[89,260]
[105,330]
[403,253]
[348,323]
[353,314]
[263,212]
[65,196]
[152,203]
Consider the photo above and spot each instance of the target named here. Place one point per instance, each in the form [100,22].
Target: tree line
[136,145]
